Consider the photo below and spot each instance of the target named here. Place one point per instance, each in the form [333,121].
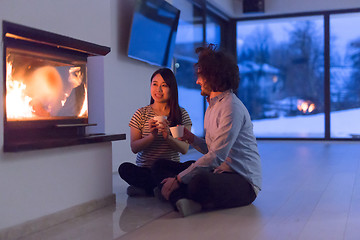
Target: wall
[37,183]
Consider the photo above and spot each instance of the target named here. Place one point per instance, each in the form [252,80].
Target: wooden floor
[311,190]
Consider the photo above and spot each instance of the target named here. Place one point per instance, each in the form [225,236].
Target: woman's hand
[164,129]
[169,185]
[153,127]
[187,137]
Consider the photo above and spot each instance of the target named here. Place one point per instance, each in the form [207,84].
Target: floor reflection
[139,211]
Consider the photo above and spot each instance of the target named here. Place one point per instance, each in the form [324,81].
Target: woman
[151,139]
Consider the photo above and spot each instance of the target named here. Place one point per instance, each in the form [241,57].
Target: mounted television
[153,32]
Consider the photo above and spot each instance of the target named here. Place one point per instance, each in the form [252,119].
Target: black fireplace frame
[38,134]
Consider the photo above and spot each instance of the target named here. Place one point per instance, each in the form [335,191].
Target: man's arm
[195,141]
[223,136]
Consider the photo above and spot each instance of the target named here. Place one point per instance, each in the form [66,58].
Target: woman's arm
[137,142]
[178,145]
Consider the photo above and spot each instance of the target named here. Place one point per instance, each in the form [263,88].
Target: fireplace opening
[45,87]
[42,87]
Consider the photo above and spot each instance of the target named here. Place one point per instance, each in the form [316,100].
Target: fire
[17,103]
[84,108]
[45,87]
[76,80]
[41,93]
[305,106]
[64,100]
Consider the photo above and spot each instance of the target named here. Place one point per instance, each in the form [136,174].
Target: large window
[300,73]
[345,75]
[298,81]
[281,67]
[197,26]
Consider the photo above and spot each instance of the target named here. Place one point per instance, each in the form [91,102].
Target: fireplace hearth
[45,89]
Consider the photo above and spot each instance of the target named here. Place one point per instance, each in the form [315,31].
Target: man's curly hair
[219,69]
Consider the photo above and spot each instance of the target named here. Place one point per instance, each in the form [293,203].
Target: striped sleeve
[137,120]
[185,118]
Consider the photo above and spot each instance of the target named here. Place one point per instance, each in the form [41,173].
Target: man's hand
[169,185]
[224,167]
[188,136]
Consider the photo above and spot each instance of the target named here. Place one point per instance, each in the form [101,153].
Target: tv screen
[153,32]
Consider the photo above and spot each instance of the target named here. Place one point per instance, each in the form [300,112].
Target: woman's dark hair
[219,69]
[169,78]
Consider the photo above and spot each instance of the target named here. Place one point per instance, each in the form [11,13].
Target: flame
[64,100]
[17,103]
[76,79]
[45,87]
[84,108]
[311,107]
[305,106]
[43,94]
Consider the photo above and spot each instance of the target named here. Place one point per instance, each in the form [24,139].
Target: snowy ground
[343,124]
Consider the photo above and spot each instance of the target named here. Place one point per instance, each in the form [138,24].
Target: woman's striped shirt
[159,149]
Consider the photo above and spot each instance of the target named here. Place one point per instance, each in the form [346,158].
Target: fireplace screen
[39,87]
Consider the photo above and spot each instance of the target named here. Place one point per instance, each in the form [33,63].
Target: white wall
[41,182]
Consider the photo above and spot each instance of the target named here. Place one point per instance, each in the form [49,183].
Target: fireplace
[45,88]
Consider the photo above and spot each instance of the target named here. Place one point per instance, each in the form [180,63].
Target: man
[229,173]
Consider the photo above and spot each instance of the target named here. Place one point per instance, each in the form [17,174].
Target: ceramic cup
[177,131]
